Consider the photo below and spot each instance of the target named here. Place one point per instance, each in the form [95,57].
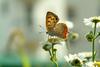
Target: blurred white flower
[73,36]
[85,55]
[70,57]
[74,60]
[68,23]
[91,21]
[80,59]
[90,64]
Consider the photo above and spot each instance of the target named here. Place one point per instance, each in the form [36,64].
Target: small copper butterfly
[54,28]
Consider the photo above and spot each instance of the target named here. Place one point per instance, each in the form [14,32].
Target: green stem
[54,56]
[52,48]
[56,63]
[97,36]
[93,42]
[50,53]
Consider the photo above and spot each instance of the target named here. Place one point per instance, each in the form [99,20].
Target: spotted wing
[51,21]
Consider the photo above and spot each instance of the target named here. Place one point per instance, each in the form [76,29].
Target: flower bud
[90,36]
[47,47]
[99,33]
[74,36]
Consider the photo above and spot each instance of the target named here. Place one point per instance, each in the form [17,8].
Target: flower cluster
[80,59]
[74,60]
[93,35]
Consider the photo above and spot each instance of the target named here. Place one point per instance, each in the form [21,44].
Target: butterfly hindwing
[61,30]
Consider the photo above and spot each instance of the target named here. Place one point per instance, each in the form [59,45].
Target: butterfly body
[54,28]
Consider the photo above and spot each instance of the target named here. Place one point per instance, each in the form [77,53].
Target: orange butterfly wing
[51,21]
[65,32]
[61,30]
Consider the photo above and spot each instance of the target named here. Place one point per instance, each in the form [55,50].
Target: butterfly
[54,28]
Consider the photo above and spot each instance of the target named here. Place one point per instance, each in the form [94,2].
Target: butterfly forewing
[51,21]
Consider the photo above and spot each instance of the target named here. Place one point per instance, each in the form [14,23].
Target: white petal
[87,21]
[98,24]
[90,64]
[71,57]
[67,58]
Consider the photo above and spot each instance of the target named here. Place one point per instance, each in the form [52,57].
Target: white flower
[91,21]
[70,57]
[85,55]
[68,23]
[90,64]
[73,59]
[78,59]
